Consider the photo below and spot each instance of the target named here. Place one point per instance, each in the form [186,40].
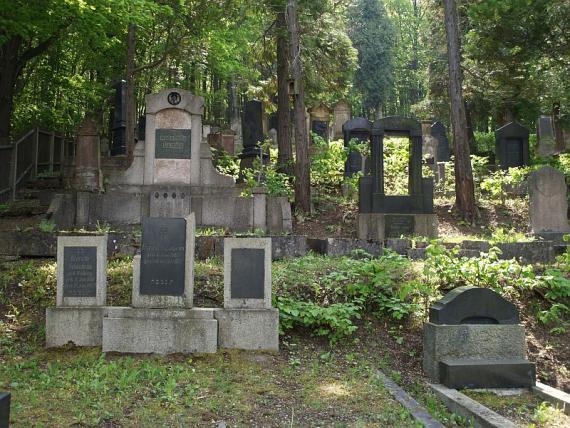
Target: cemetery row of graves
[182,288]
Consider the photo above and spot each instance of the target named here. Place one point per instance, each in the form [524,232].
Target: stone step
[492,373]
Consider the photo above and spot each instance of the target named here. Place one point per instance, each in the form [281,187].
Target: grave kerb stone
[99,244]
[237,244]
[165,301]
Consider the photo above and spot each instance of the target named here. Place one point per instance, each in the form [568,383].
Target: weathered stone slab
[251,329]
[170,202]
[247,273]
[159,331]
[79,325]
[528,252]
[473,305]
[374,225]
[82,270]
[548,201]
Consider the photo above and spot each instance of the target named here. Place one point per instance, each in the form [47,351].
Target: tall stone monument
[252,129]
[439,132]
[87,176]
[342,111]
[548,196]
[319,121]
[387,216]
[357,128]
[546,145]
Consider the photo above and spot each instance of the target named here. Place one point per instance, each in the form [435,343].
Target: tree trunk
[130,102]
[464,187]
[9,72]
[284,146]
[302,171]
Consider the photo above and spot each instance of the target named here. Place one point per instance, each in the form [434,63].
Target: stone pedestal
[81,326]
[250,329]
[379,226]
[159,331]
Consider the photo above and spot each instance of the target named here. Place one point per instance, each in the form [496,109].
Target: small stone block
[250,329]
[4,409]
[159,331]
[247,273]
[503,373]
[80,325]
[81,270]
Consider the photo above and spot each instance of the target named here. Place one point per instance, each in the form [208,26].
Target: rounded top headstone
[473,305]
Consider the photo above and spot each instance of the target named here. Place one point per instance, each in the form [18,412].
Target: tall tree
[464,186]
[372,34]
[302,167]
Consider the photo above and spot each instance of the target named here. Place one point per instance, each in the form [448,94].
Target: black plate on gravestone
[163,256]
[248,273]
[173,144]
[79,271]
[4,409]
[398,225]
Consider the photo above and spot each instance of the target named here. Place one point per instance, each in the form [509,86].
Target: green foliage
[484,143]
[396,165]
[498,182]
[47,226]
[327,164]
[225,163]
[276,183]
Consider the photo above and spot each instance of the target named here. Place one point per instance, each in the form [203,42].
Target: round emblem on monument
[174,98]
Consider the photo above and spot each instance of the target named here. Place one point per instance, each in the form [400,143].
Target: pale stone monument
[546,144]
[548,201]
[342,112]
[87,175]
[81,291]
[248,321]
[320,117]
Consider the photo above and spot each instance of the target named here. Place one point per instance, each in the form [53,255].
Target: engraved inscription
[248,273]
[399,225]
[173,144]
[163,256]
[79,271]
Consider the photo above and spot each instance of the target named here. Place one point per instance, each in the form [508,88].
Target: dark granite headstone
[119,142]
[173,144]
[357,128]
[511,145]
[80,271]
[473,305]
[4,409]
[439,132]
[252,126]
[396,226]
[321,128]
[163,256]
[493,373]
[248,273]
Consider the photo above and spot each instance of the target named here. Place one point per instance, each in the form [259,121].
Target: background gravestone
[511,145]
[341,114]
[252,128]
[357,128]
[163,275]
[119,123]
[548,201]
[546,143]
[87,173]
[439,132]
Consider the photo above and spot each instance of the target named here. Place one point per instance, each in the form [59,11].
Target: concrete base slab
[160,331]
[250,329]
[505,373]
[80,325]
[558,398]
[373,225]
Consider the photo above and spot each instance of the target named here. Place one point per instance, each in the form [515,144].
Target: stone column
[87,175]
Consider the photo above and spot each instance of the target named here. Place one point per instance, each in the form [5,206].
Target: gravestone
[319,121]
[562,132]
[380,213]
[248,321]
[342,111]
[355,129]
[119,122]
[511,145]
[87,176]
[546,141]
[4,410]
[252,129]
[548,202]
[81,291]
[439,132]
[474,340]
[429,143]
[163,275]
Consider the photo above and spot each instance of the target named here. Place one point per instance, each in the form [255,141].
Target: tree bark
[302,170]
[130,102]
[464,186]
[284,146]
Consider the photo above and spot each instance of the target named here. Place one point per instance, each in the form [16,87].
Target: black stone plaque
[4,409]
[173,144]
[248,273]
[163,256]
[79,271]
[398,225]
